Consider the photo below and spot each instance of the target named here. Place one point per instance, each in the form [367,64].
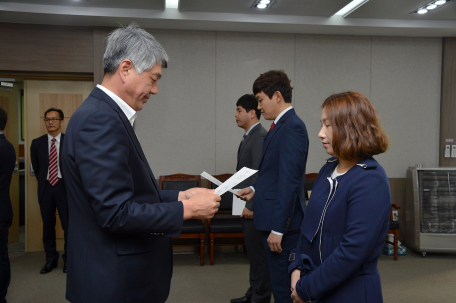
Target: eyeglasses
[54,120]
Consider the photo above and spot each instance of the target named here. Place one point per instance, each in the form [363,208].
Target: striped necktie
[53,169]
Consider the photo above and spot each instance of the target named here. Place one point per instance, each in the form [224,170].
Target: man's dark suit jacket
[121,224]
[7,163]
[282,168]
[39,153]
[250,156]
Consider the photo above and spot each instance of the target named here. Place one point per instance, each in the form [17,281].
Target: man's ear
[277,97]
[125,68]
[252,114]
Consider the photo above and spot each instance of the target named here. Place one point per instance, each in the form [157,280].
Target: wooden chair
[227,226]
[309,183]
[393,229]
[193,228]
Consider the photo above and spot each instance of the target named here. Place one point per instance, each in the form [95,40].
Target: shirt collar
[282,113]
[129,112]
[57,138]
[251,127]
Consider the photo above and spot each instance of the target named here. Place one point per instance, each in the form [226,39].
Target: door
[39,96]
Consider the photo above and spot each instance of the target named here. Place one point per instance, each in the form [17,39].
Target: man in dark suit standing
[45,153]
[249,155]
[278,211]
[121,222]
[7,163]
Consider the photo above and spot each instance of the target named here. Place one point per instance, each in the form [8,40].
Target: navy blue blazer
[120,222]
[283,165]
[339,264]
[39,154]
[7,163]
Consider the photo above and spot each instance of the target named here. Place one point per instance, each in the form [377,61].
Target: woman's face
[326,133]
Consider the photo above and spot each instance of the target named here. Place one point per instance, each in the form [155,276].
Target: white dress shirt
[57,147]
[129,112]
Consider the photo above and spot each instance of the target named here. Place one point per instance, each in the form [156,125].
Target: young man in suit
[45,153]
[278,211]
[121,222]
[249,155]
[7,163]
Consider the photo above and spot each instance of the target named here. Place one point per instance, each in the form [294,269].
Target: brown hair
[273,81]
[356,127]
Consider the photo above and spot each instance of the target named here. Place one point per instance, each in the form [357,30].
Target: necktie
[272,126]
[53,169]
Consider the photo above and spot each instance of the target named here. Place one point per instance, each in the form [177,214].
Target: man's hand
[274,242]
[247,213]
[295,277]
[189,193]
[295,297]
[246,193]
[201,206]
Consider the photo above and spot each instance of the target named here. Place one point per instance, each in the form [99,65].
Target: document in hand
[234,180]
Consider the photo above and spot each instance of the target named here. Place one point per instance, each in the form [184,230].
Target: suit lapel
[99,94]
[247,138]
[45,150]
[271,134]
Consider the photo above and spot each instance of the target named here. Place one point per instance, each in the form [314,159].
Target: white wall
[190,127]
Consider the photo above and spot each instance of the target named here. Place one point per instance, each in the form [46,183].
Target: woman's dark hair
[356,128]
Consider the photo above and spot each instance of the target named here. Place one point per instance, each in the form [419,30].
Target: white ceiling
[376,17]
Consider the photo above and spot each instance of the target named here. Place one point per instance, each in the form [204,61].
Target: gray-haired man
[121,222]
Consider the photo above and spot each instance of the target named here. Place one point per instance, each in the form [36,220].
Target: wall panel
[326,65]
[46,48]
[241,58]
[405,90]
[176,128]
[448,105]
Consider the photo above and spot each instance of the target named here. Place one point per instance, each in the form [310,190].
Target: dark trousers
[5,269]
[54,197]
[260,285]
[278,265]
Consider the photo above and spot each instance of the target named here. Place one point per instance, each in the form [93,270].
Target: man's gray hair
[135,44]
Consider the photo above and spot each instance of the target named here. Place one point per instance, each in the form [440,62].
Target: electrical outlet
[395,215]
[453,151]
[447,151]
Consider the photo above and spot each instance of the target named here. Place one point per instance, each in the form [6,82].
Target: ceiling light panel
[431,6]
[350,8]
[172,3]
[262,4]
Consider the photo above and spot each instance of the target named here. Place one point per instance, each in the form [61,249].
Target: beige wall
[33,129]
[189,126]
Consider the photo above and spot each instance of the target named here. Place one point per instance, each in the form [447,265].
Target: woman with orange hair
[347,217]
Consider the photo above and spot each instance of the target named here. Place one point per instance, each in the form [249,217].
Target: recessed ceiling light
[172,3]
[265,1]
[431,6]
[261,6]
[350,7]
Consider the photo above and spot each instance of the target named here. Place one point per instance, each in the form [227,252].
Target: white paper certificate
[214,180]
[238,205]
[234,180]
